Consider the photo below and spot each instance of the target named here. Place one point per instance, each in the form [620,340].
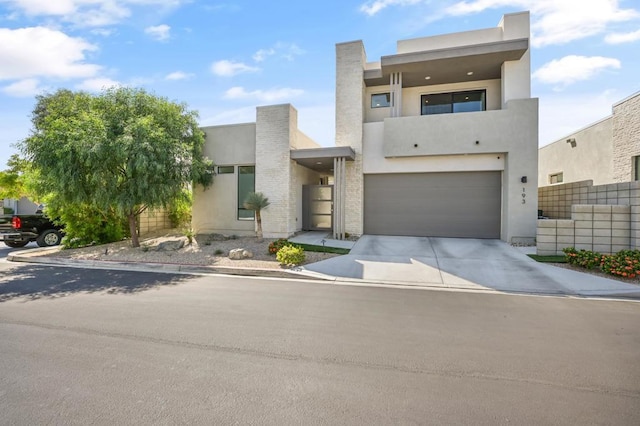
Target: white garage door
[460,204]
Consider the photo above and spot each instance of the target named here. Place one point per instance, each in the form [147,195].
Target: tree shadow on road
[32,282]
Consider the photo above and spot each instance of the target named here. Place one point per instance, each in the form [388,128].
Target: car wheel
[49,238]
[16,244]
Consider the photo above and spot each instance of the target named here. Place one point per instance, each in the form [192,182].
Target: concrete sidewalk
[462,263]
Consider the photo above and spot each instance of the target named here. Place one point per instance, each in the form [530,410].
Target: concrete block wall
[602,228]
[556,200]
[153,220]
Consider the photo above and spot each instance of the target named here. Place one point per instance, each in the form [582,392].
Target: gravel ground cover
[204,250]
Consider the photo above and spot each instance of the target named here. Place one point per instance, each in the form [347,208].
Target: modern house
[437,139]
[589,185]
[607,151]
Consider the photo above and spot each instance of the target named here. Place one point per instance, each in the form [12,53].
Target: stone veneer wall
[350,98]
[559,202]
[626,137]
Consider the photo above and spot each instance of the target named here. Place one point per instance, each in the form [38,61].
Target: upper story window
[446,103]
[381,100]
[556,178]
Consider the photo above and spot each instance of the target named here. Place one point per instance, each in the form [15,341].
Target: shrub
[290,255]
[180,209]
[277,245]
[625,263]
[584,258]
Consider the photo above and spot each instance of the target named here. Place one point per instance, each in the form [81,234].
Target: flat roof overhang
[448,65]
[321,159]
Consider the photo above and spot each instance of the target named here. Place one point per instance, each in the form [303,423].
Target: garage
[452,204]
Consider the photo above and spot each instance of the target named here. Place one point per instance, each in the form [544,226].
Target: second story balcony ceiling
[450,65]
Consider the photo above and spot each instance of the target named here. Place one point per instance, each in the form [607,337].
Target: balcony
[482,132]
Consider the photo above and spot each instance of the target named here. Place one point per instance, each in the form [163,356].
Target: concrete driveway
[462,263]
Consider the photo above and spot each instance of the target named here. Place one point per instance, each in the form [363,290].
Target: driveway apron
[464,263]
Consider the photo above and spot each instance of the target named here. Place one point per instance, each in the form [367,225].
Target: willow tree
[122,150]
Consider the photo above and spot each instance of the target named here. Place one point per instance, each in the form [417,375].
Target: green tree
[121,151]
[13,179]
[256,201]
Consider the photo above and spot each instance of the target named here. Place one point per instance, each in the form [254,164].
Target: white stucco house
[607,151]
[439,138]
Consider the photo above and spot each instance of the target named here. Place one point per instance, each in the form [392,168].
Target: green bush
[586,259]
[85,225]
[625,263]
[276,245]
[180,210]
[290,255]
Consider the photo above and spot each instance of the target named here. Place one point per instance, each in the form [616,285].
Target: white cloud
[571,69]
[42,52]
[557,21]
[271,95]
[618,38]
[159,32]
[226,68]
[104,32]
[178,75]
[87,13]
[23,88]
[262,54]
[372,7]
[97,84]
[285,50]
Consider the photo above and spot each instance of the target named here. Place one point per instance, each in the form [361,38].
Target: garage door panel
[465,204]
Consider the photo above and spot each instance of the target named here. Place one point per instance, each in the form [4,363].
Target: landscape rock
[170,245]
[239,254]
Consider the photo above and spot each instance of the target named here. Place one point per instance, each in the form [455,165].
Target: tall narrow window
[636,167]
[246,184]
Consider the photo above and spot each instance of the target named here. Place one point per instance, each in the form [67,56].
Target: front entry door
[317,207]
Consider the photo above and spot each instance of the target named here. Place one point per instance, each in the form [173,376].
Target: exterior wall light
[572,141]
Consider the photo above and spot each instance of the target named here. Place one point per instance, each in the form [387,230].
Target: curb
[297,273]
[164,267]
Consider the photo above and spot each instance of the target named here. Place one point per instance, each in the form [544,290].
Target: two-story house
[438,139]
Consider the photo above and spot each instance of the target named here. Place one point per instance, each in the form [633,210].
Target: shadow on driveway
[32,282]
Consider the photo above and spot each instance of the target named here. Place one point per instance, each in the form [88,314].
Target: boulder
[239,254]
[170,245]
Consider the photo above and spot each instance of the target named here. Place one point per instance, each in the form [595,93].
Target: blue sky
[225,58]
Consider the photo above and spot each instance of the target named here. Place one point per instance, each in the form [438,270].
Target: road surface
[81,346]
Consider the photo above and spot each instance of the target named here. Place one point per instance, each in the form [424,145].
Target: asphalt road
[102,347]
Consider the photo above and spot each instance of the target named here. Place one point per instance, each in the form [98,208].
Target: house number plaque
[524,196]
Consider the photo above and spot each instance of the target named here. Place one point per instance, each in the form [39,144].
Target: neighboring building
[607,151]
[439,139]
[21,206]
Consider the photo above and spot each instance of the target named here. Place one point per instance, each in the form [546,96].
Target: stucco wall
[626,137]
[590,159]
[411,97]
[215,210]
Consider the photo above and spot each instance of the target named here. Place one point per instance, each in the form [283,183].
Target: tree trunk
[259,230]
[133,228]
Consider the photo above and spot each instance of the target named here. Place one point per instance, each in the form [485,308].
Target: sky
[224,58]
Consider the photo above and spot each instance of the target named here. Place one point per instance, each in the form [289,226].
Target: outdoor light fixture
[572,141]
[523,179]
